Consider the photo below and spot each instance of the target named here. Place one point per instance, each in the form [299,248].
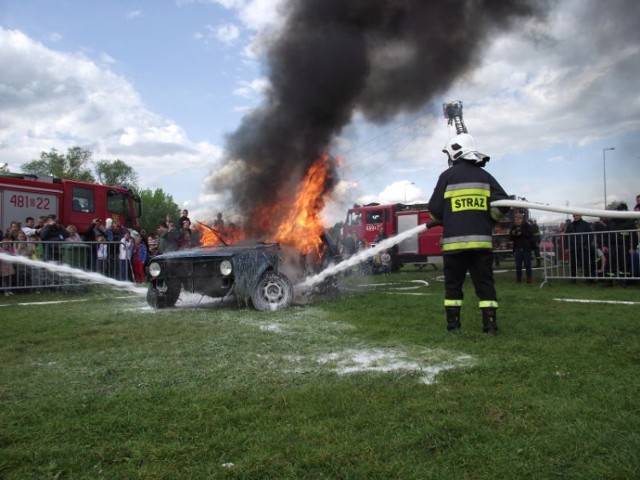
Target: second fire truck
[365,221]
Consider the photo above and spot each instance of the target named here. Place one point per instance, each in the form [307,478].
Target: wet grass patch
[366,384]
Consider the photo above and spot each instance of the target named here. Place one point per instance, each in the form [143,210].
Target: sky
[162,84]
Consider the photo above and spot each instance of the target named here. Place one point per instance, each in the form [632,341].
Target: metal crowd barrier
[594,256]
[79,255]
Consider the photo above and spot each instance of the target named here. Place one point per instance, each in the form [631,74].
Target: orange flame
[300,228]
[228,233]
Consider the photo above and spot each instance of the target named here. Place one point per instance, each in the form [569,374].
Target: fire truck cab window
[375,216]
[355,219]
[83,200]
[118,203]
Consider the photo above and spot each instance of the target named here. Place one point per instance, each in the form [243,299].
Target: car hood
[219,251]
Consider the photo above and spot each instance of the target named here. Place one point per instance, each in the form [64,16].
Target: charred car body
[250,272]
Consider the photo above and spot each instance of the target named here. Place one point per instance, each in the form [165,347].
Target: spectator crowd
[106,247]
[604,249]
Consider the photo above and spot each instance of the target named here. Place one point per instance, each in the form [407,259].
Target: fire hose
[587,212]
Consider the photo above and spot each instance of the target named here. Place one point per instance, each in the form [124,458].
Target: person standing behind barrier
[636,254]
[522,238]
[24,248]
[461,203]
[126,248]
[152,242]
[6,269]
[536,238]
[91,235]
[117,234]
[624,241]
[73,234]
[579,247]
[184,235]
[184,215]
[169,238]
[162,238]
[51,235]
[12,231]
[140,255]
[29,227]
[102,256]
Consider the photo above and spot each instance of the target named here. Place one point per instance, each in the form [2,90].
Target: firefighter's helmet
[463,147]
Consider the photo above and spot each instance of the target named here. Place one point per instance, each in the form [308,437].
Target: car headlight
[225,268]
[154,269]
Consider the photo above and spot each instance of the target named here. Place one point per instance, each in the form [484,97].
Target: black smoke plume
[382,57]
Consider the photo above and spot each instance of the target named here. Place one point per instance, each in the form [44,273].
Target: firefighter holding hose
[461,203]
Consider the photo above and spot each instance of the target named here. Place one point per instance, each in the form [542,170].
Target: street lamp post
[405,190]
[604,172]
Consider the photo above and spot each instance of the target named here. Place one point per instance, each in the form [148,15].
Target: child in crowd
[22,246]
[74,236]
[139,259]
[126,249]
[6,270]
[152,241]
[102,255]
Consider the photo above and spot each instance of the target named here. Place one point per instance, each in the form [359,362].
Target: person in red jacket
[140,255]
[461,202]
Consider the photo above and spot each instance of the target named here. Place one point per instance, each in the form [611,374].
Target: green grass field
[365,385]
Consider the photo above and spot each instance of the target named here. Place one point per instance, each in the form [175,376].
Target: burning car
[247,271]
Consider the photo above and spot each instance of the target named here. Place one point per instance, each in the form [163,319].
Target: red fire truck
[366,220]
[78,203]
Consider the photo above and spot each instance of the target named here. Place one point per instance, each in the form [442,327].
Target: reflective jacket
[461,203]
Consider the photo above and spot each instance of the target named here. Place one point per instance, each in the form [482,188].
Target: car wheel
[273,292]
[162,297]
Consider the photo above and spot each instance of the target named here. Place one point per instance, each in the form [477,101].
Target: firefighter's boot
[453,319]
[489,324]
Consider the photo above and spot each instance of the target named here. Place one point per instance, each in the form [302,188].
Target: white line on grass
[409,293]
[52,302]
[612,302]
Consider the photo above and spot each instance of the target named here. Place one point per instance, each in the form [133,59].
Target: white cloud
[133,14]
[259,15]
[404,191]
[253,89]
[58,100]
[107,59]
[255,15]
[230,4]
[227,33]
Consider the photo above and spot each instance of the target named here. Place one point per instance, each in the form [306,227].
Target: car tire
[159,299]
[273,292]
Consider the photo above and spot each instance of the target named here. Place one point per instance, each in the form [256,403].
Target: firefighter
[461,203]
